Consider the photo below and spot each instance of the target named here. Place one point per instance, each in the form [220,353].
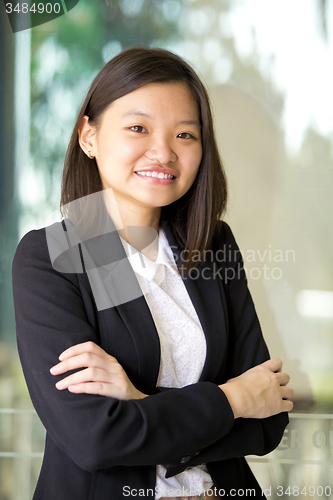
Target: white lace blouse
[183,346]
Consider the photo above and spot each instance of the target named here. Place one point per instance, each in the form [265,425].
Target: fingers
[109,390]
[83,355]
[98,381]
[274,364]
[85,376]
[283,378]
[81,348]
[103,374]
[93,388]
[287,406]
[82,361]
[260,392]
[287,392]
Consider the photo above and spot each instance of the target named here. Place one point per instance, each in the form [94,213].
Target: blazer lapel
[207,295]
[138,319]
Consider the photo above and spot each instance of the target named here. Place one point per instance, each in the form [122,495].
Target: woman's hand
[103,374]
[259,392]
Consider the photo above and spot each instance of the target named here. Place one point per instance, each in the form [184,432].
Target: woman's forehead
[148,100]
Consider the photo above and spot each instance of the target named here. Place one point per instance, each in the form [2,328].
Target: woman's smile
[158,175]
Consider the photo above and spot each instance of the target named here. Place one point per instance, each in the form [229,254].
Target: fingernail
[61,357]
[60,384]
[53,370]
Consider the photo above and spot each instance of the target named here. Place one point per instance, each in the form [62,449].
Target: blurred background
[268,65]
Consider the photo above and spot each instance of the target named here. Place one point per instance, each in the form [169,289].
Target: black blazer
[100,448]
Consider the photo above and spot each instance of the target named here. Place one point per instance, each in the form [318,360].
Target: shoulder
[44,250]
[225,248]
[32,245]
[42,243]
[223,234]
[30,260]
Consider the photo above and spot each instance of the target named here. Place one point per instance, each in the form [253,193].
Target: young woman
[137,334]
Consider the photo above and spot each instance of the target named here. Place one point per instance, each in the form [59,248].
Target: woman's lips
[155,179]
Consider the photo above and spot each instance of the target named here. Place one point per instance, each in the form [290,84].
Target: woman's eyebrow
[137,112]
[190,122]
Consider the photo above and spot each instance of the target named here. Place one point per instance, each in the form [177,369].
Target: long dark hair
[194,216]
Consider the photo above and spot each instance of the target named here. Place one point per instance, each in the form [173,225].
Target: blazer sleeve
[99,432]
[246,348]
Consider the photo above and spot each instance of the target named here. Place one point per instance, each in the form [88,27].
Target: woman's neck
[137,225]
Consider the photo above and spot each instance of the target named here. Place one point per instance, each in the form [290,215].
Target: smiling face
[150,133]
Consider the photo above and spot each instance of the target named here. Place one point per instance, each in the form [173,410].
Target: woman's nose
[161,152]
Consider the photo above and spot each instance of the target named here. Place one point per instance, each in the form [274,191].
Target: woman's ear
[86,134]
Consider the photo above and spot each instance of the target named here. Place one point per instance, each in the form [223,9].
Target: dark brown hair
[194,216]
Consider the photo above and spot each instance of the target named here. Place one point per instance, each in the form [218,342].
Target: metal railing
[302,460]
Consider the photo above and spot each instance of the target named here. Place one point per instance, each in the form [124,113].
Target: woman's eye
[185,135]
[138,128]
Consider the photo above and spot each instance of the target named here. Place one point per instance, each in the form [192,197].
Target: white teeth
[160,175]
